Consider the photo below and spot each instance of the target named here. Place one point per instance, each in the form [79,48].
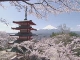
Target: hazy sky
[11,14]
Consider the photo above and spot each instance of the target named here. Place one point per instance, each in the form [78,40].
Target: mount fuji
[46,31]
[49,27]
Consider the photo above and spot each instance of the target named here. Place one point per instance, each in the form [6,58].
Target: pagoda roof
[25,21]
[24,29]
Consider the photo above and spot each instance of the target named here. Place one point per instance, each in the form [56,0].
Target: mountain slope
[49,27]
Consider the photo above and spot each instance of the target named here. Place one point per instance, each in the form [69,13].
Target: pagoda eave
[23,35]
[20,22]
[20,35]
[24,29]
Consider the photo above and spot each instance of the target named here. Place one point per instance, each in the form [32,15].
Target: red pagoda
[25,29]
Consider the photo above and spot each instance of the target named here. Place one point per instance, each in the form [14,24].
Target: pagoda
[24,28]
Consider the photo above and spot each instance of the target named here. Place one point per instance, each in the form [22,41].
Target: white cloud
[4,27]
[49,27]
[38,29]
[78,25]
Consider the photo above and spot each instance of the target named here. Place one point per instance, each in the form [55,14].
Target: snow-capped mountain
[46,31]
[49,27]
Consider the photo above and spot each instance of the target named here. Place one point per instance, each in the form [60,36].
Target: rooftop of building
[24,21]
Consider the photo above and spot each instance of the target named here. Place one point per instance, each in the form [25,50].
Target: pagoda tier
[24,37]
[24,22]
[25,29]
[23,34]
[24,26]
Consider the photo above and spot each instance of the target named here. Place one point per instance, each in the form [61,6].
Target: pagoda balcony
[20,33]
[25,26]
[24,33]
[24,39]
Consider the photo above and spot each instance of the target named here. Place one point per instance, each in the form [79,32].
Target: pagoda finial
[25,13]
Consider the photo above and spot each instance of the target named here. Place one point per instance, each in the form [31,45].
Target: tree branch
[4,21]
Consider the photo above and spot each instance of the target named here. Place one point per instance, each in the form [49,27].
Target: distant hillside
[46,33]
[77,32]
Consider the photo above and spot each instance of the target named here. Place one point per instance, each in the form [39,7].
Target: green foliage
[77,51]
[73,34]
[15,49]
[66,40]
[1,49]
[54,34]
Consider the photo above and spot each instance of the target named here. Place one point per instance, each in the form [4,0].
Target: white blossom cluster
[48,49]
[4,40]
[42,8]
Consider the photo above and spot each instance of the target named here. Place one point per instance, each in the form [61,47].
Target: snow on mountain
[49,27]
[46,31]
[38,29]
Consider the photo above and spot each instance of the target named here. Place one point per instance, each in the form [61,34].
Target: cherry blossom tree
[50,50]
[5,39]
[64,29]
[41,8]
